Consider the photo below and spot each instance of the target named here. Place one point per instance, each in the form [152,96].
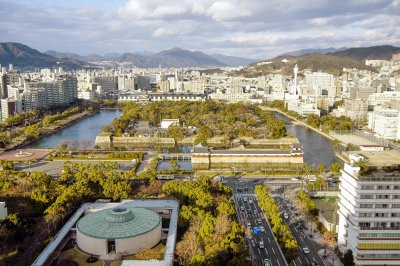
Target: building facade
[369,216]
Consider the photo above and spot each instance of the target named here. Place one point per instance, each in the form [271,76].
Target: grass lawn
[78,257]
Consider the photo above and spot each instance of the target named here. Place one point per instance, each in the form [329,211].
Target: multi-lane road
[251,216]
[303,235]
[262,246]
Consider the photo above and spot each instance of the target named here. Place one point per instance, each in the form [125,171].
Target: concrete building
[384,97]
[10,106]
[118,231]
[236,86]
[109,85]
[3,210]
[166,123]
[4,82]
[321,83]
[303,109]
[356,109]
[33,99]
[369,211]
[361,92]
[385,123]
[138,96]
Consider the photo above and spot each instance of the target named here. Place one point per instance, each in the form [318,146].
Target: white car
[306,250]
[250,201]
[267,262]
[285,215]
[262,229]
[244,199]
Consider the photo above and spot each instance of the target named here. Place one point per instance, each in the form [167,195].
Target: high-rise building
[4,82]
[369,215]
[109,85]
[321,83]
[236,86]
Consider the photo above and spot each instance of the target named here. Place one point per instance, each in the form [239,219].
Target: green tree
[203,135]
[176,132]
[335,167]
[313,120]
[174,165]
[321,169]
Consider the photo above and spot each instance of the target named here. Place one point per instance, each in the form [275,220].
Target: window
[382,196]
[395,205]
[381,214]
[396,187]
[367,196]
[395,214]
[381,206]
[379,235]
[365,215]
[365,206]
[365,187]
[364,224]
[383,187]
[396,197]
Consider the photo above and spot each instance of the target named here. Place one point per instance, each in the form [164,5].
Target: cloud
[253,27]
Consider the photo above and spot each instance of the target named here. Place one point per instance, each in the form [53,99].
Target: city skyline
[253,29]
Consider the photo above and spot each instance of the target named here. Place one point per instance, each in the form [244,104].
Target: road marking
[295,229]
[273,250]
[307,260]
[279,263]
[301,239]
[259,251]
[269,240]
[266,250]
[300,260]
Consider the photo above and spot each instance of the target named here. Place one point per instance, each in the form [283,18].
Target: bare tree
[63,145]
[86,144]
[73,145]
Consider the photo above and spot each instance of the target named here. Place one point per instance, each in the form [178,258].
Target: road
[304,236]
[251,216]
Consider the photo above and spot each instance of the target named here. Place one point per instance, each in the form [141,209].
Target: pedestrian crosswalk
[243,195]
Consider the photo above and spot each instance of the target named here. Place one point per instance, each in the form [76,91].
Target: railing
[380,228]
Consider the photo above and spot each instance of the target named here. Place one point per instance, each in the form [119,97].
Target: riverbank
[47,131]
[298,122]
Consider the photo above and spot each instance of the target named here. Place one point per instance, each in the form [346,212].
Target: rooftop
[118,223]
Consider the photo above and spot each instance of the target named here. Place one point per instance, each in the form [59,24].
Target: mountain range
[329,59]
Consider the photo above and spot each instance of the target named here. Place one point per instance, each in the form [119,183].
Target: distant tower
[295,70]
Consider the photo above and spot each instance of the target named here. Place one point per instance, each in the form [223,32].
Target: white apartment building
[384,97]
[143,96]
[369,216]
[385,123]
[321,83]
[303,109]
[87,95]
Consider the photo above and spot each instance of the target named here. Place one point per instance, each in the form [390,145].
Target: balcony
[379,228]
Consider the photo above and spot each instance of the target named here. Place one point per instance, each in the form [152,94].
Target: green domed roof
[118,223]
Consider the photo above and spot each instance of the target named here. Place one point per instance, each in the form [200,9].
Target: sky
[257,29]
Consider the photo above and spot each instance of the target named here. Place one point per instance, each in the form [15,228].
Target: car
[306,250]
[262,228]
[267,262]
[251,201]
[246,189]
[261,244]
[239,190]
[285,215]
[248,224]
[244,199]
[259,221]
[242,208]
[255,212]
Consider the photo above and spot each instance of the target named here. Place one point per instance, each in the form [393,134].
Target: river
[86,129]
[317,149]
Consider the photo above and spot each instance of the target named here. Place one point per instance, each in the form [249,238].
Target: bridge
[175,156]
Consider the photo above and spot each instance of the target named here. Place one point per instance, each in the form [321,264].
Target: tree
[313,120]
[174,165]
[335,167]
[176,132]
[32,132]
[321,169]
[203,135]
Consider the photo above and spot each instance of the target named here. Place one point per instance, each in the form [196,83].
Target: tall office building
[4,81]
[236,85]
[369,215]
[385,123]
[321,83]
